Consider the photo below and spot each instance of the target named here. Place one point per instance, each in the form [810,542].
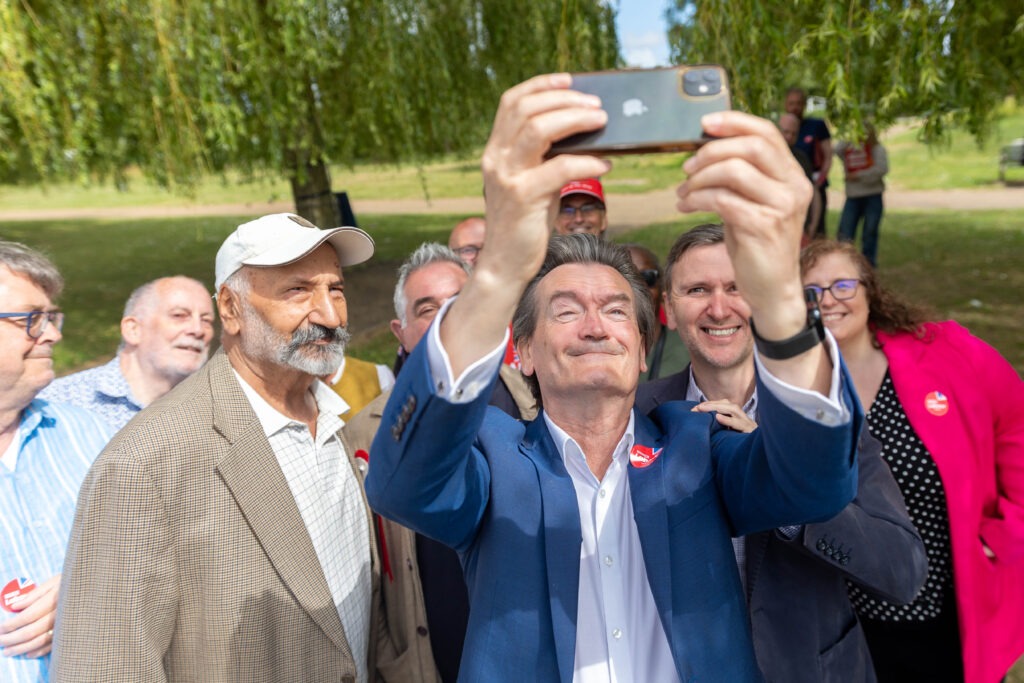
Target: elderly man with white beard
[223,535]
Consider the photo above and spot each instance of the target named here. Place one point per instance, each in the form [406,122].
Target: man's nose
[593,326]
[718,307]
[328,311]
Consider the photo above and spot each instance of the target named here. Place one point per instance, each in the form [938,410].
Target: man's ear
[525,357]
[396,329]
[131,330]
[670,316]
[230,311]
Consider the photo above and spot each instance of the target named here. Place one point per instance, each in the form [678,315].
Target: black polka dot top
[918,478]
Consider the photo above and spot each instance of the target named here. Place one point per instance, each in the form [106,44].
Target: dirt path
[626,210]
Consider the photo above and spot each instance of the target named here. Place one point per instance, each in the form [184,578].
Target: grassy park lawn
[968,266]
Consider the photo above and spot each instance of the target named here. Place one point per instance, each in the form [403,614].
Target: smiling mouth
[720,331]
[830,317]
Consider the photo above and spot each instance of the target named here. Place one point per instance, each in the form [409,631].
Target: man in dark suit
[805,629]
[595,541]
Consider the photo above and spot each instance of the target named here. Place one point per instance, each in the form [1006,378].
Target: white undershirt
[619,636]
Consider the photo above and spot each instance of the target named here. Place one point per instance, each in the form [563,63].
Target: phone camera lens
[702,82]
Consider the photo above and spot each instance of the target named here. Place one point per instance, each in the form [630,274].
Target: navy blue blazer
[497,491]
[805,629]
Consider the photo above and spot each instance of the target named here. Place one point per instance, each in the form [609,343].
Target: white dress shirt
[619,636]
[330,500]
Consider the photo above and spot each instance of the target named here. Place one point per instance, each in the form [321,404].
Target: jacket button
[821,545]
[421,630]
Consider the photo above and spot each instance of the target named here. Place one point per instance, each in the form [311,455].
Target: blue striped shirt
[57,444]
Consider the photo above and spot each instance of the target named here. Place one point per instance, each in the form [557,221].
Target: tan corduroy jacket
[189,560]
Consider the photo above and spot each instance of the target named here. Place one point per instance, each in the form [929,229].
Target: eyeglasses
[650,276]
[588,211]
[468,251]
[36,321]
[841,290]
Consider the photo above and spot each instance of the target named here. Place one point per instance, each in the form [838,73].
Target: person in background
[165,337]
[668,354]
[358,382]
[424,590]
[789,125]
[45,450]
[581,208]
[805,629]
[949,411]
[814,140]
[864,166]
[467,239]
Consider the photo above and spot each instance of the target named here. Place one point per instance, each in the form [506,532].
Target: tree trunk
[311,189]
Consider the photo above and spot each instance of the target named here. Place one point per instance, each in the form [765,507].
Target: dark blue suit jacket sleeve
[446,496]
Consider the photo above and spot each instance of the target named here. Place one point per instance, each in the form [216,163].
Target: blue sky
[642,32]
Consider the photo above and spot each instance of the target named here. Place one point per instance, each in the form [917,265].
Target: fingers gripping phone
[649,110]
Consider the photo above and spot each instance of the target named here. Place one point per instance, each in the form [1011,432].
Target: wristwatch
[802,341]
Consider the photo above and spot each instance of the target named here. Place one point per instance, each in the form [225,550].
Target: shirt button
[617,634]
[820,415]
[602,493]
[608,560]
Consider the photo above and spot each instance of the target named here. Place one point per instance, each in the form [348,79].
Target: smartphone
[649,110]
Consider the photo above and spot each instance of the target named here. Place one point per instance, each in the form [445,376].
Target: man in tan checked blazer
[223,534]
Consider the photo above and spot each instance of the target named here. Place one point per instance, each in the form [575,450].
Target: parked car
[1011,156]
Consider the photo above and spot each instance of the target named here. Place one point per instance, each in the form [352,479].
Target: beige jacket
[189,560]
[409,657]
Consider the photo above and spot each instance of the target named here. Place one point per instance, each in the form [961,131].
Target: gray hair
[32,264]
[583,248]
[703,235]
[425,254]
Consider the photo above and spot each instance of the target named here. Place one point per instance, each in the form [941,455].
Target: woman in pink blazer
[949,411]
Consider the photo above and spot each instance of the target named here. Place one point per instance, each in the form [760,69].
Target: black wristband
[802,341]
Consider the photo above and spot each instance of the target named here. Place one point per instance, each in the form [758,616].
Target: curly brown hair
[887,311]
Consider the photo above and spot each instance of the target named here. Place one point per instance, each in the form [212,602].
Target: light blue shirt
[56,445]
[101,390]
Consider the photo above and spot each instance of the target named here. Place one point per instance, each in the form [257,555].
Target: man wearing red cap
[581,208]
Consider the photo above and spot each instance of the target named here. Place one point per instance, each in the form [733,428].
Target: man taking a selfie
[595,541]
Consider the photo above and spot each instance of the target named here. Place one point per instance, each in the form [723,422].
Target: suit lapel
[251,472]
[562,540]
[647,492]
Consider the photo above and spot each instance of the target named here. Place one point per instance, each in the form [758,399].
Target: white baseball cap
[283,238]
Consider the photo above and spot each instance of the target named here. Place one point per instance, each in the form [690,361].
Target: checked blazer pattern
[189,559]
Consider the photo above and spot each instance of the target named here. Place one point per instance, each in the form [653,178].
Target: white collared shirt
[330,500]
[619,636]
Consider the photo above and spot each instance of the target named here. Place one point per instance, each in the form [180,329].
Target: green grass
[968,266]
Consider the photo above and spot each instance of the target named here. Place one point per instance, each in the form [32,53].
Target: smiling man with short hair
[45,451]
[165,336]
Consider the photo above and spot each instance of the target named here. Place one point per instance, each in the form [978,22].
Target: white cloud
[644,49]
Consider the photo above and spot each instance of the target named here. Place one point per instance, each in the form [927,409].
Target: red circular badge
[12,590]
[936,403]
[643,456]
